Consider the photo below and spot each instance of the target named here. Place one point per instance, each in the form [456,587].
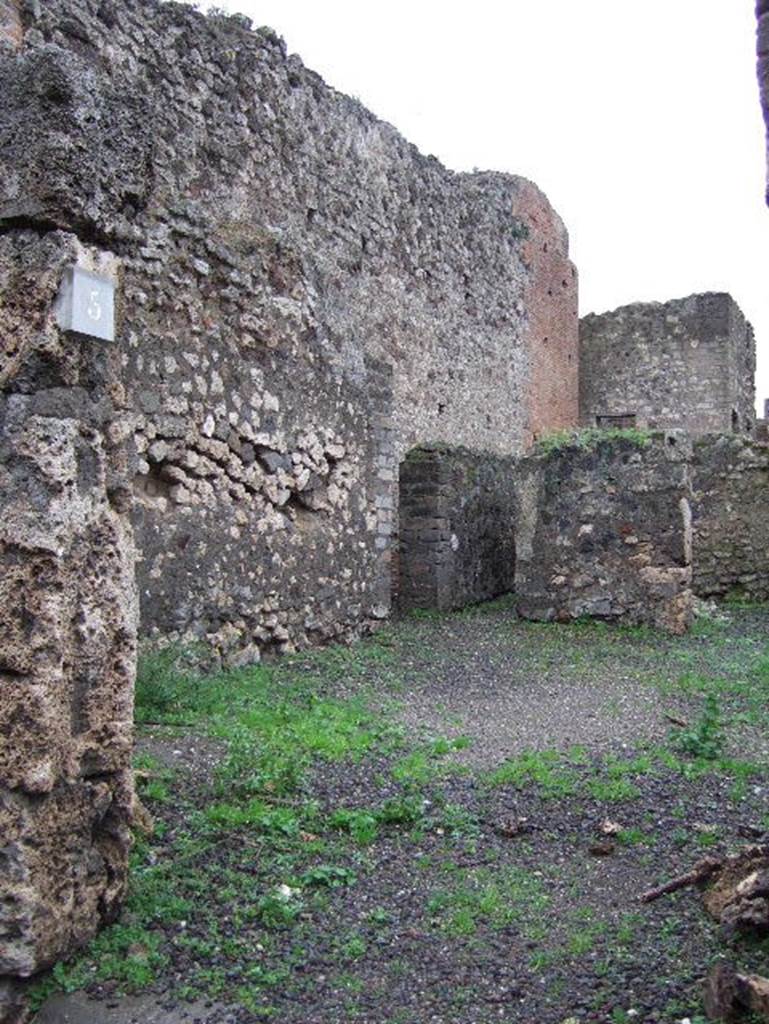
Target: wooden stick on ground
[676,720]
[702,870]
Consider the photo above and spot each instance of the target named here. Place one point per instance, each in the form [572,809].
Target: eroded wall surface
[687,364]
[69,617]
[457,529]
[762,13]
[606,533]
[731,497]
[281,249]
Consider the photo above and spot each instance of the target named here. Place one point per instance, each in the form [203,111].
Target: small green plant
[633,837]
[544,769]
[165,685]
[415,769]
[458,822]
[380,917]
[705,739]
[402,810]
[619,1016]
[279,908]
[627,930]
[256,814]
[361,825]
[353,948]
[495,898]
[582,939]
[328,875]
[152,778]
[613,789]
[707,836]
[443,746]
[128,954]
[154,789]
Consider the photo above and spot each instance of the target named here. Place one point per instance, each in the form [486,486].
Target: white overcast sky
[640,121]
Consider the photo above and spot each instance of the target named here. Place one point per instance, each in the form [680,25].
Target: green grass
[634,837]
[153,779]
[126,954]
[426,764]
[557,775]
[362,825]
[276,723]
[732,681]
[254,814]
[494,898]
[167,687]
[547,770]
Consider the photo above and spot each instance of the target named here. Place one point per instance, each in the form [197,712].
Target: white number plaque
[86,304]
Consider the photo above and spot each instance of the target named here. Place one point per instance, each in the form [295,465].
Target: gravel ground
[515,686]
[483,902]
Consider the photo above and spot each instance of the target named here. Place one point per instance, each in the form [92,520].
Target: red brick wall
[552,331]
[10,22]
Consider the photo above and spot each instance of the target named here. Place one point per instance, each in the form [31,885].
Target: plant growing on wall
[590,438]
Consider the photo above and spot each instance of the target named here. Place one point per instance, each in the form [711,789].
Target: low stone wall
[606,533]
[456,528]
[69,619]
[731,517]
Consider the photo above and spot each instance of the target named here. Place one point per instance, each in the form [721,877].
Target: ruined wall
[731,525]
[686,364]
[620,530]
[281,247]
[69,617]
[606,533]
[762,13]
[457,542]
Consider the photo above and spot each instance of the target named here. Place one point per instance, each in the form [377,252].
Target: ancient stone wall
[606,533]
[762,13]
[281,248]
[457,542]
[69,616]
[686,364]
[731,525]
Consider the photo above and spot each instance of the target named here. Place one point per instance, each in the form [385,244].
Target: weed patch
[591,438]
[705,739]
[482,896]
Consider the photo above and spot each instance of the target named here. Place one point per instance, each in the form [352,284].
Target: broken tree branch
[701,871]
